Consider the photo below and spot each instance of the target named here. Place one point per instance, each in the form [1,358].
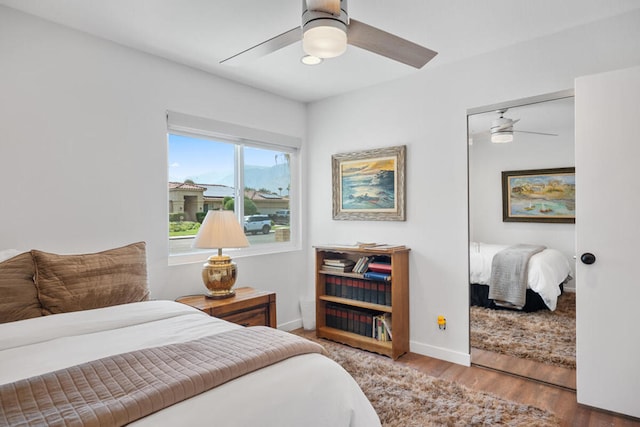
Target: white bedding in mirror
[546,270]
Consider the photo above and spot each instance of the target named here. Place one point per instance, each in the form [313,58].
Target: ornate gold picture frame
[369,185]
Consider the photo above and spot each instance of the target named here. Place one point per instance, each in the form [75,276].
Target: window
[211,169]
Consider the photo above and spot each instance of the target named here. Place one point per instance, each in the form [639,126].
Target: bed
[307,389]
[547,272]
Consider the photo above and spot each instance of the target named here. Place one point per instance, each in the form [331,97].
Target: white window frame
[217,131]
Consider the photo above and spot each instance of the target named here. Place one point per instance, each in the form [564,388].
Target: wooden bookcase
[399,308]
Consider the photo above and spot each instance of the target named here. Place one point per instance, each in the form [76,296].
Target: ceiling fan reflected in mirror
[502,129]
[327,29]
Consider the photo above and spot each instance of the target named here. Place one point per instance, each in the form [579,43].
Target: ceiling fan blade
[264,48]
[536,133]
[506,125]
[386,44]
[327,6]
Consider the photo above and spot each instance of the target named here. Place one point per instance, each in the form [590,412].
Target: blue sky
[203,160]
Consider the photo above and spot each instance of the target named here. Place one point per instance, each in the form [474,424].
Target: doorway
[542,131]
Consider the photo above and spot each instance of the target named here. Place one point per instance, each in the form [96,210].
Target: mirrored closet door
[533,139]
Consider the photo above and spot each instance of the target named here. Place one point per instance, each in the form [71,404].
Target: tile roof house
[190,198]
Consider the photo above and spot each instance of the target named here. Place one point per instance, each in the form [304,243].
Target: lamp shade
[324,38]
[220,229]
[501,137]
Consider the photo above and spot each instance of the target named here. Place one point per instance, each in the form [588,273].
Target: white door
[608,226]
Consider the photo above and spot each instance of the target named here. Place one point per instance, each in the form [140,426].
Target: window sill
[256,250]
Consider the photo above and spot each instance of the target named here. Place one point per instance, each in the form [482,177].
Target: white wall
[83,150]
[427,112]
[527,151]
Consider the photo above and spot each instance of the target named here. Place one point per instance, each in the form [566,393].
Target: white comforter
[309,390]
[546,270]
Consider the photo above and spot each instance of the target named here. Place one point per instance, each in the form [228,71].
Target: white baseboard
[441,353]
[416,347]
[290,326]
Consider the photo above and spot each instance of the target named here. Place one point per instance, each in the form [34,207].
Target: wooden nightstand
[249,307]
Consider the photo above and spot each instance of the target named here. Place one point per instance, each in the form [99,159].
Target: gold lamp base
[219,276]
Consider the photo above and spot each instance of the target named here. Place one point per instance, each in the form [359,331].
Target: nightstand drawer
[248,307]
[255,317]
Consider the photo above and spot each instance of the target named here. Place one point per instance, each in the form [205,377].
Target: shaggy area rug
[405,397]
[544,336]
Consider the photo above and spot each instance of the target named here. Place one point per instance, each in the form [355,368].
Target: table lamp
[220,229]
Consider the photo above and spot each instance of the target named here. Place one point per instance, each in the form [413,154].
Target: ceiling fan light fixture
[501,137]
[502,129]
[324,38]
[311,60]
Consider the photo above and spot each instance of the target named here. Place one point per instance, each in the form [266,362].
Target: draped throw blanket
[508,281]
[117,390]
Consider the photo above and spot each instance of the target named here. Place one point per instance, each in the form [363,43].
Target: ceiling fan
[327,29]
[502,130]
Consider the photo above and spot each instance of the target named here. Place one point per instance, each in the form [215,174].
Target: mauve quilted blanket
[117,390]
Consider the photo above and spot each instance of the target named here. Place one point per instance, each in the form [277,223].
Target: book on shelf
[363,322]
[342,265]
[374,275]
[357,266]
[335,268]
[338,262]
[373,245]
[381,264]
[380,328]
[363,245]
[386,321]
[376,292]
[362,265]
[380,267]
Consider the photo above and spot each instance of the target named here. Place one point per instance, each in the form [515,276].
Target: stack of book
[338,264]
[378,270]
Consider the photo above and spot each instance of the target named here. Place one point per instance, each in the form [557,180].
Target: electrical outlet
[442,323]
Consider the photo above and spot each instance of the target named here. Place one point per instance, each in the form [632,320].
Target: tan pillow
[81,282]
[18,293]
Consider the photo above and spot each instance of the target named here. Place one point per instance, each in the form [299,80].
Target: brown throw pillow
[81,282]
[18,293]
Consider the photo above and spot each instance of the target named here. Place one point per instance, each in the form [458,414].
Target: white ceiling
[200,33]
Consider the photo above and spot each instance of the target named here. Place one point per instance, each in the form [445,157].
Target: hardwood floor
[554,375]
[559,400]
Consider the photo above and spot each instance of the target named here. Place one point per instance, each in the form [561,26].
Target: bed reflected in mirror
[522,291]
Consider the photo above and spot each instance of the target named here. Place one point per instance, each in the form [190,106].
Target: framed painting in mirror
[539,195]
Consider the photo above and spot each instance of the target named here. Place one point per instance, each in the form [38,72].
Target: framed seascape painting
[539,195]
[369,185]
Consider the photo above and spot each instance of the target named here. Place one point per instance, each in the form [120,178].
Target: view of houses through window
[204,174]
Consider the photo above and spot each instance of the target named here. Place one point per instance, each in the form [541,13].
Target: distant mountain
[269,177]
